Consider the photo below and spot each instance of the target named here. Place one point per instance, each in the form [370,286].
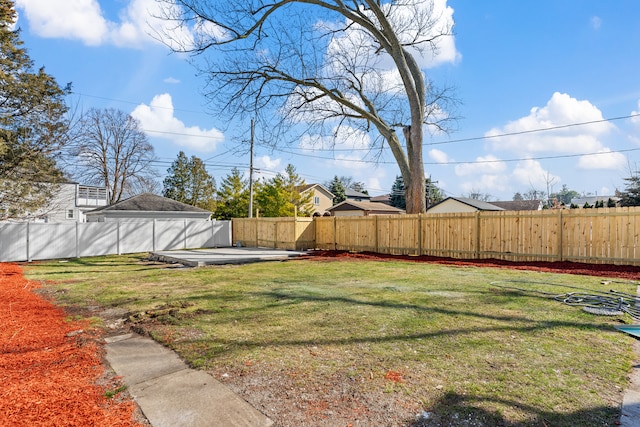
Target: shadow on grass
[454,410]
[513,323]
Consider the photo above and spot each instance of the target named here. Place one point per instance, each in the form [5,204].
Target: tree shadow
[456,410]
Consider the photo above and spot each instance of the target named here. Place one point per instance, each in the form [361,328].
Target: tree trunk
[414,182]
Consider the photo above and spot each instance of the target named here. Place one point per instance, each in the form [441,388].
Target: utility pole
[251,172]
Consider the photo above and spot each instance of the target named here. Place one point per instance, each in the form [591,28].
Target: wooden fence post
[476,244]
[419,234]
[560,232]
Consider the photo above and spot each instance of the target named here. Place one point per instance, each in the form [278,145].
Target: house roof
[478,204]
[307,187]
[385,198]
[352,205]
[350,193]
[147,202]
[519,205]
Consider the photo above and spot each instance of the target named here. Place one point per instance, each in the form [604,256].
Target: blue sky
[517,66]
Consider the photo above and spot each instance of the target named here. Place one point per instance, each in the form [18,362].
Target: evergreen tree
[233,197]
[292,184]
[631,195]
[397,193]
[189,182]
[280,196]
[565,195]
[434,194]
[32,125]
[337,188]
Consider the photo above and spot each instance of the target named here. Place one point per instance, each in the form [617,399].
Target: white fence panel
[136,237]
[97,238]
[34,241]
[221,235]
[13,242]
[48,241]
[170,235]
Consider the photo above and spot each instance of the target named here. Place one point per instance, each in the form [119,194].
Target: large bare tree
[324,68]
[110,149]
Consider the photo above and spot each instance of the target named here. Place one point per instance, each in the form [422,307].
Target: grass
[463,339]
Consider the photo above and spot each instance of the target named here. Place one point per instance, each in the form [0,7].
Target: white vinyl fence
[35,241]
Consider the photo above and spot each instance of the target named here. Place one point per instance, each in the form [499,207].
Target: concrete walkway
[172,395]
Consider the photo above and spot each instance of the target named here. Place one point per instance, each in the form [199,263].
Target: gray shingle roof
[148,202]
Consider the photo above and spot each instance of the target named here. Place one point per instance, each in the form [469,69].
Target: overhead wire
[484,137]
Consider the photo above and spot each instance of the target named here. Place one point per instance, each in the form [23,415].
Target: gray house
[147,206]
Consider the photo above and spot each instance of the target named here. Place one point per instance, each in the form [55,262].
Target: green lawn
[466,341]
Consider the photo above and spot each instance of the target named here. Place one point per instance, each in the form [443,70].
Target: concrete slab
[172,395]
[221,256]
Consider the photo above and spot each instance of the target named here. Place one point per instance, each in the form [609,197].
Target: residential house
[520,205]
[321,199]
[385,198]
[147,206]
[366,208]
[462,204]
[356,195]
[69,203]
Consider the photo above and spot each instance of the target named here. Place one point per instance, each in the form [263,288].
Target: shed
[147,206]
[355,208]
[462,204]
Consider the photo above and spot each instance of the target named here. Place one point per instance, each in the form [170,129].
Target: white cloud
[438,156]
[486,184]
[268,167]
[139,22]
[531,174]
[71,19]
[349,146]
[605,160]
[489,164]
[636,120]
[561,110]
[171,80]
[596,22]
[158,121]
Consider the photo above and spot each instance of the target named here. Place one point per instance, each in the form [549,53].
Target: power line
[523,132]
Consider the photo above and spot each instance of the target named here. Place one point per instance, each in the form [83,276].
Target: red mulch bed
[51,368]
[601,270]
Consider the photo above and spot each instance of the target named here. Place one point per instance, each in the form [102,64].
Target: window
[70,214]
[316,200]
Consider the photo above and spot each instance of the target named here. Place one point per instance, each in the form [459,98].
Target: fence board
[605,235]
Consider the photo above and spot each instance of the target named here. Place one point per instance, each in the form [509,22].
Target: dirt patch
[627,272]
[52,368]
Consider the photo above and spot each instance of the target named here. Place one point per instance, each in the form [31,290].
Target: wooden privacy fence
[280,233]
[608,235]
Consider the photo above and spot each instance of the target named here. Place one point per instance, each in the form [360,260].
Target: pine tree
[631,195]
[233,197]
[337,188]
[32,125]
[397,194]
[280,196]
[189,182]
